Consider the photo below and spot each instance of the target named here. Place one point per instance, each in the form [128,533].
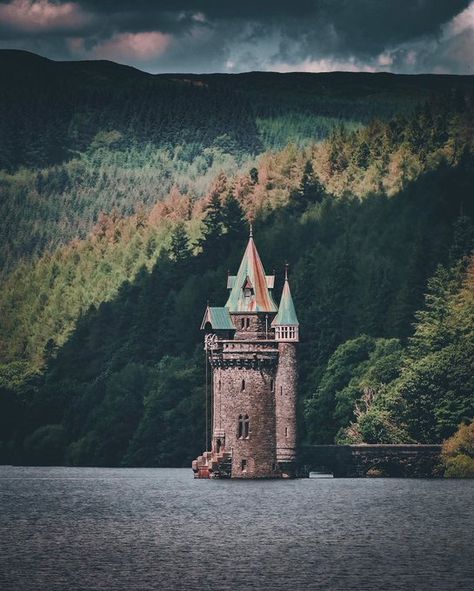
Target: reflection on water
[139,529]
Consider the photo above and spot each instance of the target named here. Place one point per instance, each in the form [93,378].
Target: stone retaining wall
[359,461]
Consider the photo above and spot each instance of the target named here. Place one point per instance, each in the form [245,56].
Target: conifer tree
[233,218]
[180,249]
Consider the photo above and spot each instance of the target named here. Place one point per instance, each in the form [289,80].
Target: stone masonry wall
[259,325]
[255,399]
[285,402]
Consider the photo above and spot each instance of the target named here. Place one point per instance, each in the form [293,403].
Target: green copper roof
[219,319]
[249,288]
[286,312]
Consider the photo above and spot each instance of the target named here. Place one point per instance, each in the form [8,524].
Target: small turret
[286,323]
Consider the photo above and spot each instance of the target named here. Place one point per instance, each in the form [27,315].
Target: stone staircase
[213,465]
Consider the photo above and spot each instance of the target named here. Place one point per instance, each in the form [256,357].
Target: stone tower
[251,349]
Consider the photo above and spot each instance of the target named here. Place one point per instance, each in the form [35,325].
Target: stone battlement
[244,354]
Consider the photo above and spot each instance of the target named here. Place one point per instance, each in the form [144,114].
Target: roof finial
[286,271]
[251,230]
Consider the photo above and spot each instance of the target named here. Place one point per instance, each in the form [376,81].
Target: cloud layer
[213,35]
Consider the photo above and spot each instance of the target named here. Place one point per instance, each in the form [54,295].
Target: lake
[138,529]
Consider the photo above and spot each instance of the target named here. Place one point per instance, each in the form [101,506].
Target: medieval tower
[250,345]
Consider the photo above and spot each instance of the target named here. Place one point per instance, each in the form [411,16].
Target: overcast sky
[408,36]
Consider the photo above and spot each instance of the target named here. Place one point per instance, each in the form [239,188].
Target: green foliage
[89,387]
[180,250]
[458,453]
[43,210]
[438,380]
[461,466]
[428,386]
[171,430]
[99,337]
[99,137]
[350,389]
[103,438]
[45,446]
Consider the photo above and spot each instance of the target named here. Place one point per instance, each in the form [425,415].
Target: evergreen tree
[180,249]
[233,219]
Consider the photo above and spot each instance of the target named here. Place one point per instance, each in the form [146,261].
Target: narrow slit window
[272,386]
[286,431]
[246,427]
[242,322]
[281,390]
[247,322]
[243,465]
[240,427]
[243,385]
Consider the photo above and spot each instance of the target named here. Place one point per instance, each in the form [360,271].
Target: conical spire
[250,287]
[286,312]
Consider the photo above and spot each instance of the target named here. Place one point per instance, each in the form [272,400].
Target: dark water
[138,529]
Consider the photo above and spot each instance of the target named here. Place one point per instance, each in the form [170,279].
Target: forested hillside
[101,356]
[79,138]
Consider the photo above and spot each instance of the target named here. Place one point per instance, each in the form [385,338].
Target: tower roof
[250,288]
[218,318]
[286,312]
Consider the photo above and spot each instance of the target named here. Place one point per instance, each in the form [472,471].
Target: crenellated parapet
[255,362]
[244,354]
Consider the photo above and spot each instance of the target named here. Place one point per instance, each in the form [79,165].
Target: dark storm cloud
[210,35]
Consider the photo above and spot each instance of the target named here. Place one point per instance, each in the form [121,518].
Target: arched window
[243,385]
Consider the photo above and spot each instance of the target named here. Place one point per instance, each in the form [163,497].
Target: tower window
[248,289]
[286,333]
[281,390]
[247,322]
[243,385]
[243,431]
[243,465]
[272,386]
[242,322]
[286,431]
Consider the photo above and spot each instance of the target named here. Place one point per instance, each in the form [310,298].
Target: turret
[286,323]
[286,327]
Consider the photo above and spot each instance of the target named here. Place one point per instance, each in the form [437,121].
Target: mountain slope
[125,203]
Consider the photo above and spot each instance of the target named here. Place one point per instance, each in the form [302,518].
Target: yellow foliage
[458,453]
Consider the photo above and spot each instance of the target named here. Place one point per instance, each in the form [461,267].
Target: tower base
[219,465]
